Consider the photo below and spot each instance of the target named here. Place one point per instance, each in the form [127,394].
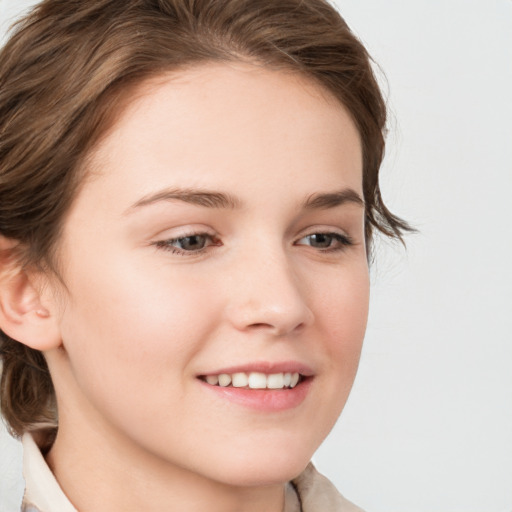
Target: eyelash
[166,245]
[343,241]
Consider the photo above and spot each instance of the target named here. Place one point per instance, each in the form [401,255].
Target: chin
[272,472]
[263,464]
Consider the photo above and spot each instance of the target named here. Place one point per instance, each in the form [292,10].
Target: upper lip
[266,367]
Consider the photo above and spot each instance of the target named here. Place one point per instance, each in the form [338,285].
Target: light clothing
[42,492]
[309,492]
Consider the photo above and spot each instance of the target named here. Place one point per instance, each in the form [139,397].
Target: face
[216,274]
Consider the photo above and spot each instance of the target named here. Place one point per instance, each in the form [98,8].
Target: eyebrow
[222,200]
[324,201]
[205,198]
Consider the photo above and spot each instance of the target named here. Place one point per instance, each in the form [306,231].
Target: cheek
[132,330]
[341,311]
[342,316]
[344,305]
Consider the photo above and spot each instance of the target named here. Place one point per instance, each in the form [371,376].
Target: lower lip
[265,400]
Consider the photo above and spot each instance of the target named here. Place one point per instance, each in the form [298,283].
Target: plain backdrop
[428,427]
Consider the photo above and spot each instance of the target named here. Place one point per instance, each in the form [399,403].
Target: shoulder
[318,494]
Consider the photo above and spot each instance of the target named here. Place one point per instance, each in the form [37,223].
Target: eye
[326,242]
[189,244]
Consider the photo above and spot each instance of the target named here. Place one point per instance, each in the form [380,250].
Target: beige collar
[318,494]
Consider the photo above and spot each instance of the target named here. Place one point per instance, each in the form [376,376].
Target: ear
[24,316]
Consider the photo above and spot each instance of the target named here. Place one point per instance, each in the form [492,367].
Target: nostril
[277,328]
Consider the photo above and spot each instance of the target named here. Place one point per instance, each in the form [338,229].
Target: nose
[267,295]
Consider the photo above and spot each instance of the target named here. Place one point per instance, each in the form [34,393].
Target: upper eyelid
[176,234]
[344,239]
[186,235]
[324,230]
[202,231]
[215,238]
[213,235]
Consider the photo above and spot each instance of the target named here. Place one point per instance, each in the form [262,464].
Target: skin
[137,323]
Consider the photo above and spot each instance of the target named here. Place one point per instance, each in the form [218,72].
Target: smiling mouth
[254,380]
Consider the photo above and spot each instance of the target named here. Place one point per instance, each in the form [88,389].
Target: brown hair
[63,75]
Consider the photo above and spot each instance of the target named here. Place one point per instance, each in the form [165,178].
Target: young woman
[188,195]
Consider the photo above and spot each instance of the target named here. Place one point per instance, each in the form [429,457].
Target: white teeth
[275,381]
[224,380]
[212,379]
[239,380]
[255,380]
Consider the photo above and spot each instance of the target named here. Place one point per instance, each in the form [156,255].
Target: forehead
[236,119]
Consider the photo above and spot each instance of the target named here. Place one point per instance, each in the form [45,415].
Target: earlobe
[23,317]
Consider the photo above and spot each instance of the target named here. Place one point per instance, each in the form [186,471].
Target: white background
[428,427]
